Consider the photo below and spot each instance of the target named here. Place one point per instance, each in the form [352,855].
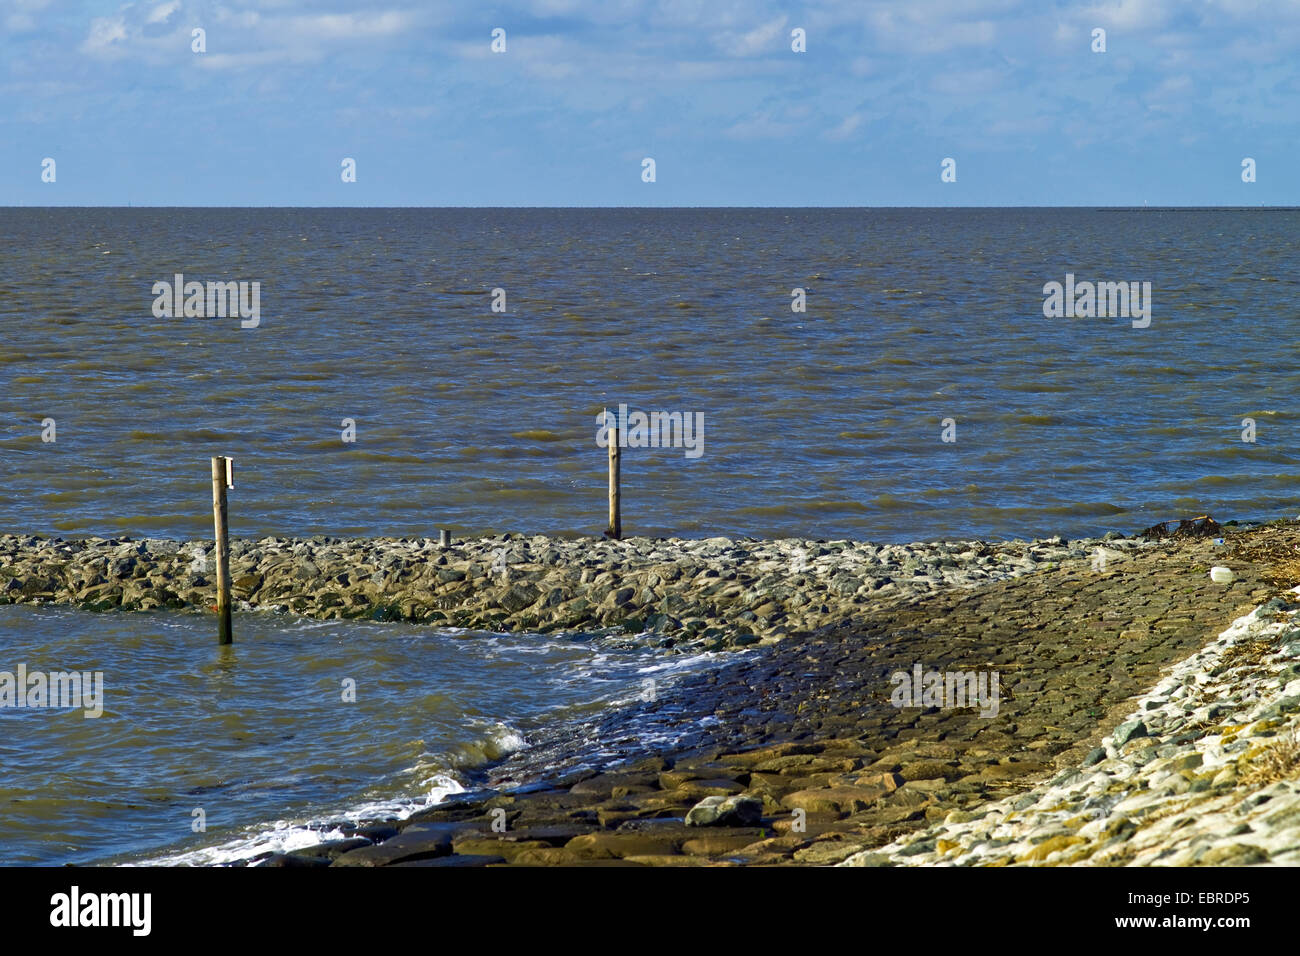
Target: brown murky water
[261,736]
[824,423]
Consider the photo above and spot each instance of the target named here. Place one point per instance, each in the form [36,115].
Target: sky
[586,90]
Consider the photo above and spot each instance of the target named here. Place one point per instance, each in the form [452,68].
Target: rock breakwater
[694,594]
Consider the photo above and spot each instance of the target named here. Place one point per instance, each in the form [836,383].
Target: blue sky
[1011,89]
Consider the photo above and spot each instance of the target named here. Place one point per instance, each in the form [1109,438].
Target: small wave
[1085,508]
[437,781]
[802,507]
[499,741]
[888,502]
[1035,385]
[153,521]
[537,434]
[356,452]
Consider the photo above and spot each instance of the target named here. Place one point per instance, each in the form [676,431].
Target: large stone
[518,597]
[454,861]
[418,841]
[1125,732]
[1234,854]
[677,777]
[842,799]
[928,770]
[611,845]
[1011,770]
[722,842]
[545,856]
[1049,846]
[493,845]
[739,810]
[602,785]
[694,790]
[826,852]
[887,781]
[294,860]
[332,849]
[806,763]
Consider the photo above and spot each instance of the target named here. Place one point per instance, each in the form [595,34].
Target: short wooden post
[615,468]
[223,476]
[444,538]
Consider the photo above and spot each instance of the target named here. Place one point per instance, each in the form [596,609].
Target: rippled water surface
[826,423]
[258,735]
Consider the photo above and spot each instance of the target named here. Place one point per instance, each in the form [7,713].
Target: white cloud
[767,38]
[1127,14]
[240,38]
[334,26]
[163,12]
[771,123]
[916,30]
[107,34]
[846,128]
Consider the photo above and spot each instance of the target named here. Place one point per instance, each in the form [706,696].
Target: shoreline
[795,756]
[791,730]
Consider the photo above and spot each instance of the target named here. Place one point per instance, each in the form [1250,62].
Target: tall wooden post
[223,476]
[615,496]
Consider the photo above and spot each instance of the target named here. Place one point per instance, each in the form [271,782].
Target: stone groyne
[691,594]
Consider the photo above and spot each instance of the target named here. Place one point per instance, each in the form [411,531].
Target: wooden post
[615,495]
[223,476]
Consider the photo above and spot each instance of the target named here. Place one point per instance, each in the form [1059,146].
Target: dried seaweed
[1281,560]
[1202,526]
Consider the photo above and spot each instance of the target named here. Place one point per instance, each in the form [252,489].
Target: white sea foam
[435,785]
[434,777]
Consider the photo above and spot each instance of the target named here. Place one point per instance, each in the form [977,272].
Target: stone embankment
[796,755]
[695,594]
[1204,771]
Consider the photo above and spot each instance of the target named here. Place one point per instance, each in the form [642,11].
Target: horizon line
[1261,206]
